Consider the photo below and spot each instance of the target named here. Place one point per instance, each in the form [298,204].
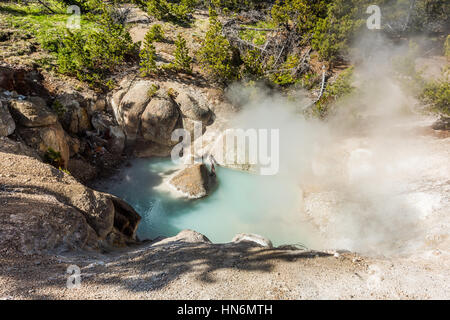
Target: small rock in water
[193,182]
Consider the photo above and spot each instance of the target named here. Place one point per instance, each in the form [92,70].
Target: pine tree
[183,61]
[156,32]
[148,56]
[216,54]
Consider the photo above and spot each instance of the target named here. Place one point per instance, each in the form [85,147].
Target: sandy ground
[177,270]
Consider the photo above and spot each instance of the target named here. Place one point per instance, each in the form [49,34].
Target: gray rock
[102,121]
[253,238]
[7,124]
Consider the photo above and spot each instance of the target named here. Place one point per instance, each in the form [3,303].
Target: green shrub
[226,6]
[156,32]
[287,76]
[152,91]
[309,80]
[437,95]
[92,54]
[179,11]
[340,88]
[332,34]
[253,67]
[183,62]
[148,55]
[299,14]
[54,158]
[257,37]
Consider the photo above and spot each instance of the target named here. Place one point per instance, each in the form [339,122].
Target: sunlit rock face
[47,210]
[39,127]
[192,182]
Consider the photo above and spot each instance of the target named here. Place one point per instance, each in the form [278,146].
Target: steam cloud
[348,183]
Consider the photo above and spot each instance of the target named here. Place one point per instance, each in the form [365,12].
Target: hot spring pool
[241,203]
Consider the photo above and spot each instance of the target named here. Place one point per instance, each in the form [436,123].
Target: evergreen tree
[182,61]
[148,55]
[216,54]
[156,32]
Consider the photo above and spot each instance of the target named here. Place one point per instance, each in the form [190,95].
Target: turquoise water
[241,203]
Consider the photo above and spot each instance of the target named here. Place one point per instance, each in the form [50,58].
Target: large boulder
[44,209]
[32,112]
[194,108]
[129,110]
[146,119]
[7,124]
[192,182]
[159,119]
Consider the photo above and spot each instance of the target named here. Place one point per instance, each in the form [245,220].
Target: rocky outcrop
[32,113]
[49,137]
[252,238]
[44,209]
[24,81]
[39,127]
[194,108]
[192,182]
[7,124]
[147,120]
[149,111]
